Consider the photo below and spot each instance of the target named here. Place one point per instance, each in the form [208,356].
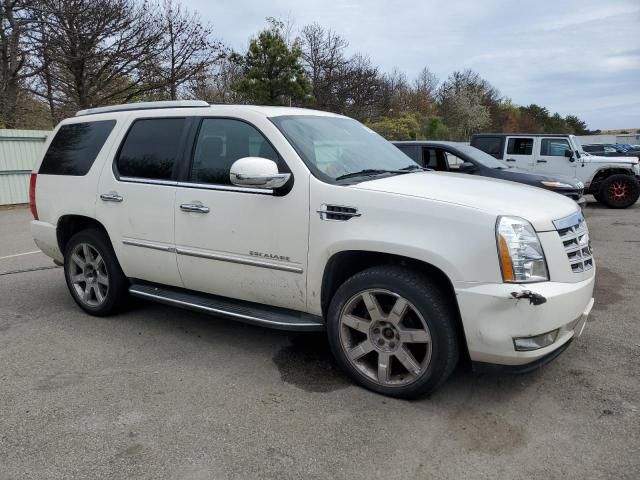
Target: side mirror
[568,153]
[467,167]
[257,172]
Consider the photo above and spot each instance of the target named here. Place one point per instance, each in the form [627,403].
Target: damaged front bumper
[493,317]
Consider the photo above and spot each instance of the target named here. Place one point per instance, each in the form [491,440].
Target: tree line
[59,56]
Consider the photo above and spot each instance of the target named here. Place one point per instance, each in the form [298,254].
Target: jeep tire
[619,191]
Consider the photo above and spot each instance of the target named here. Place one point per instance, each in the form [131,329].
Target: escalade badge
[270,256]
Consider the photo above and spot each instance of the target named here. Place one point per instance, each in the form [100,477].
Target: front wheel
[619,191]
[93,274]
[393,331]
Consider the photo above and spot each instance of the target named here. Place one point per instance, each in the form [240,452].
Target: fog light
[526,344]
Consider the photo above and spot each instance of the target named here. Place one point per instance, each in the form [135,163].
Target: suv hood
[496,197]
[599,159]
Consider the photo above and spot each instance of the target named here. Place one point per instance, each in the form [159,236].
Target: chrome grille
[574,234]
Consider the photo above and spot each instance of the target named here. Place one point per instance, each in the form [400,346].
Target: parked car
[307,221]
[608,150]
[612,181]
[462,158]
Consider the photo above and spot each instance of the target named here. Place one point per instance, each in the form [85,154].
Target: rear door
[520,152]
[136,198]
[552,159]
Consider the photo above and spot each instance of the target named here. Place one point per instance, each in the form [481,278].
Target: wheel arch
[600,175]
[347,263]
[69,225]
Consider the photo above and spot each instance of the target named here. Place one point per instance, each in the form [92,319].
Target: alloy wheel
[88,275]
[618,191]
[385,337]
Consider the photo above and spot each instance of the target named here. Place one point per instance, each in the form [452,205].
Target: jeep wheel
[619,191]
[93,274]
[391,330]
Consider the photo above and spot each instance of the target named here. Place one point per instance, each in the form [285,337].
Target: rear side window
[520,146]
[75,147]
[491,145]
[150,149]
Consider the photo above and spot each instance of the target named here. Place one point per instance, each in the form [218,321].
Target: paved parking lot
[160,393]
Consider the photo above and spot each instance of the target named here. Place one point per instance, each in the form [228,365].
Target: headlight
[556,184]
[521,256]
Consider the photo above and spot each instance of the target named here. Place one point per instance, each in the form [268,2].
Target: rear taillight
[32,196]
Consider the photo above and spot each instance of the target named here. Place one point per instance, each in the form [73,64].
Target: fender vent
[337,212]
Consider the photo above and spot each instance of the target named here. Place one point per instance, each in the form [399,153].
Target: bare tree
[93,52]
[16,65]
[187,49]
[325,63]
[216,84]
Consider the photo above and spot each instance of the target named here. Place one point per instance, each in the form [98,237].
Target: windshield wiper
[369,172]
[411,168]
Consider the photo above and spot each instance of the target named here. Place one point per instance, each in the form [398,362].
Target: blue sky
[574,57]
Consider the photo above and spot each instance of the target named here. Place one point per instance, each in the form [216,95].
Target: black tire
[619,191]
[598,197]
[114,294]
[427,300]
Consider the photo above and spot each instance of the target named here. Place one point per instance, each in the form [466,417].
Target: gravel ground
[162,393]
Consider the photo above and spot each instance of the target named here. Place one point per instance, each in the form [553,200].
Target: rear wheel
[619,191]
[93,274]
[393,332]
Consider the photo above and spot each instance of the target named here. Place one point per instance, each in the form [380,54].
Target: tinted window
[592,148]
[490,145]
[430,158]
[409,150]
[221,142]
[151,148]
[75,147]
[520,146]
[554,147]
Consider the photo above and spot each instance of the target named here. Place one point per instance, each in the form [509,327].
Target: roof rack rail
[144,106]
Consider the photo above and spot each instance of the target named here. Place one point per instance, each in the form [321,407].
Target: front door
[240,242]
[520,152]
[552,158]
[136,199]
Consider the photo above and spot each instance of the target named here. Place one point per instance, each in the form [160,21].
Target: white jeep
[309,221]
[613,181]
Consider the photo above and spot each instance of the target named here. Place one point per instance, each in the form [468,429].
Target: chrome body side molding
[240,260]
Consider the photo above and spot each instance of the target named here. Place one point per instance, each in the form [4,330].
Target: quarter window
[75,147]
[554,147]
[520,146]
[490,145]
[151,148]
[222,141]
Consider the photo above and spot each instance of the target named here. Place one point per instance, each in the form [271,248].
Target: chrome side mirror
[257,172]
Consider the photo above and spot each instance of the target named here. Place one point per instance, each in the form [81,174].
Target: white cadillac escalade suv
[304,220]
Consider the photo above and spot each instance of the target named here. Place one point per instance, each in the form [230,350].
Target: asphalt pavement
[162,393]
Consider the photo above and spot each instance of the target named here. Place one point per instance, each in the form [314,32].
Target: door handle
[194,207]
[511,159]
[541,161]
[110,197]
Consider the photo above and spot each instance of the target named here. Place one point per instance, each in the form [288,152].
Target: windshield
[341,149]
[480,156]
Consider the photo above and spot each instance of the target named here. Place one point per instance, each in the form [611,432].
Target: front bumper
[492,318]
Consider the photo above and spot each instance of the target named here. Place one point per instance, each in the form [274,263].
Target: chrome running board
[246,312]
